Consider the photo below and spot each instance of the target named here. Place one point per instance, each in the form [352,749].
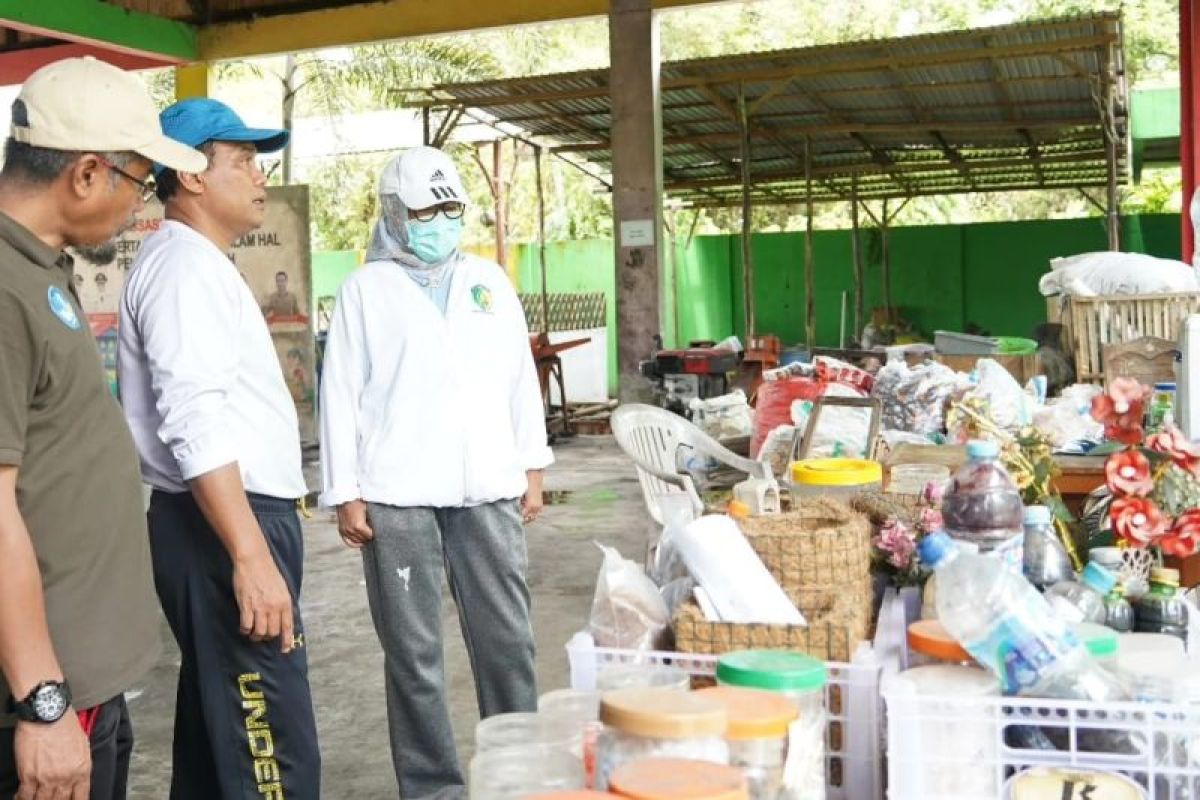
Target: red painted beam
[17,65]
[1187,118]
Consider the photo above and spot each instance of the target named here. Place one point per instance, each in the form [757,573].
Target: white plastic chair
[652,437]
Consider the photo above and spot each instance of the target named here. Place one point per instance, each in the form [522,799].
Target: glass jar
[581,710]
[656,722]
[802,679]
[515,773]
[638,676]
[757,734]
[678,779]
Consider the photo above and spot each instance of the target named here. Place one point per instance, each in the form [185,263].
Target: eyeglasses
[450,210]
[269,168]
[147,185]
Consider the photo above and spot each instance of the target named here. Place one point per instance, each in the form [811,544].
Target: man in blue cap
[218,437]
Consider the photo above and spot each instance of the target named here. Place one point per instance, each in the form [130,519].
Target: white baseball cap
[423,177]
[86,104]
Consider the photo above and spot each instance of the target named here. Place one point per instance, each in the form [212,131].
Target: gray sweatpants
[483,550]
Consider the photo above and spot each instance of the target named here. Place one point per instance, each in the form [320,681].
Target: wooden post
[810,282]
[856,256]
[747,220]
[1187,120]
[885,259]
[541,202]
[499,191]
[289,108]
[1108,121]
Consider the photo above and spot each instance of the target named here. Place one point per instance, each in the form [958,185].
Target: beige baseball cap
[87,104]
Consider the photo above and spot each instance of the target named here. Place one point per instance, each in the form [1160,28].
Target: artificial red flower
[1137,520]
[1128,472]
[1120,409]
[1184,538]
[1173,443]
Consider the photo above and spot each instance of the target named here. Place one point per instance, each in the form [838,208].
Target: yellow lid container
[678,779]
[663,713]
[836,472]
[753,713]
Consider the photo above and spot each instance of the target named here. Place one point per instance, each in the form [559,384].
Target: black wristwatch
[46,703]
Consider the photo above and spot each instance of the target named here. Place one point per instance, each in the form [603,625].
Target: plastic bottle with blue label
[1009,628]
[982,504]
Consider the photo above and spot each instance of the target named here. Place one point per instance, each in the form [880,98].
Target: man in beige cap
[78,625]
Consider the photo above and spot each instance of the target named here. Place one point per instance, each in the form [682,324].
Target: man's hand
[531,501]
[264,602]
[353,525]
[53,761]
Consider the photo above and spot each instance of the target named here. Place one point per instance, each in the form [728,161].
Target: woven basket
[820,553]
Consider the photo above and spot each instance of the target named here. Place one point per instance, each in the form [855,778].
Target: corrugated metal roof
[991,109]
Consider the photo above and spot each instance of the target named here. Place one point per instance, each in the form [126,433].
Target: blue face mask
[435,240]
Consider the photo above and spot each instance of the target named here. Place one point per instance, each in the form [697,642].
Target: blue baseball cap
[201,119]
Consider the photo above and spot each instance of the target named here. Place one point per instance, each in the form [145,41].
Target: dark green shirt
[78,485]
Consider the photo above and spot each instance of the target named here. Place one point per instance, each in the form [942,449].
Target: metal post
[810,283]
[856,256]
[425,132]
[499,190]
[1112,210]
[747,220]
[289,108]
[541,202]
[885,259]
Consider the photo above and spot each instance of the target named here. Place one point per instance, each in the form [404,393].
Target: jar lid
[678,779]
[1101,641]
[1165,575]
[836,472]
[773,670]
[930,637]
[947,680]
[662,713]
[982,449]
[1036,515]
[574,794]
[753,713]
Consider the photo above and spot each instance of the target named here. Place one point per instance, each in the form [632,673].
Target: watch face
[49,703]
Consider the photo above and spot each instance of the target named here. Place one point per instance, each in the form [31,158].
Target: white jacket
[421,409]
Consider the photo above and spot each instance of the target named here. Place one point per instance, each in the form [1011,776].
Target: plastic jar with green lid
[802,678]
[654,723]
[757,734]
[678,779]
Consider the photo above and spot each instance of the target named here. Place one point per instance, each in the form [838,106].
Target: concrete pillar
[192,81]
[637,186]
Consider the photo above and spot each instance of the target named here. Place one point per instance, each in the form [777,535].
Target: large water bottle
[1083,600]
[1045,559]
[982,504]
[1002,621]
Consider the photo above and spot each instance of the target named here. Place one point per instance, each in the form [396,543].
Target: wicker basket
[820,553]
[1094,322]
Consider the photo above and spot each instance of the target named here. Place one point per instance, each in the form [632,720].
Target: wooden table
[1080,475]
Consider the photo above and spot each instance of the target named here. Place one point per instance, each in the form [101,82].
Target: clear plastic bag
[627,610]
[841,432]
[724,417]
[915,399]
[1009,406]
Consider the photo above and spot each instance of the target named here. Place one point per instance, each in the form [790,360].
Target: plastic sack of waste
[841,432]
[1008,405]
[915,399]
[627,610]
[774,407]
[1068,418]
[1105,273]
[724,417]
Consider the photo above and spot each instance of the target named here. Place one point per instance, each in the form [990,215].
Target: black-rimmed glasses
[147,185]
[450,210]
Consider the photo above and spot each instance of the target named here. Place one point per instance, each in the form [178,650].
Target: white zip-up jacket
[421,409]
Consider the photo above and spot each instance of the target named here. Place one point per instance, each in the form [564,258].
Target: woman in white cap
[433,443]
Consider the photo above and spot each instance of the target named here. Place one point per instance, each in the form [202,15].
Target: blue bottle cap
[935,548]
[981,450]
[1036,515]
[1099,578]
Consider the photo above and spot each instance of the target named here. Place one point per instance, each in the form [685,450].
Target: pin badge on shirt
[62,308]
[482,296]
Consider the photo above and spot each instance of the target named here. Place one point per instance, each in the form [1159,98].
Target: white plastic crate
[957,748]
[854,744]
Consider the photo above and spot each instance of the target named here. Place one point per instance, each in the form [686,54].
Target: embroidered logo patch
[62,308]
[482,296]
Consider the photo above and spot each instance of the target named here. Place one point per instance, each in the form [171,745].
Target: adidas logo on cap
[437,176]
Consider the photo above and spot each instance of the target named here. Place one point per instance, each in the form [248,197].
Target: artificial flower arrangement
[894,546]
[1153,481]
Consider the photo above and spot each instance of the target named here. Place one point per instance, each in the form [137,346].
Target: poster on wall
[276,263]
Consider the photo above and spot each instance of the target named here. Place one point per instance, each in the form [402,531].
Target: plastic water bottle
[982,504]
[1083,601]
[1160,610]
[1118,611]
[1002,621]
[1045,561]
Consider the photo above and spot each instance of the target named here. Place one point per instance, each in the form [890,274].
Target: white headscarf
[389,237]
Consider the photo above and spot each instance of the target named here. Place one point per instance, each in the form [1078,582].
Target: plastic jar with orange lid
[678,779]
[757,734]
[658,723]
[930,643]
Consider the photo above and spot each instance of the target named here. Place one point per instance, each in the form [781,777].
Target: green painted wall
[329,269]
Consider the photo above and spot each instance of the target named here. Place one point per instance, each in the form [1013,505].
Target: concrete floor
[602,502]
